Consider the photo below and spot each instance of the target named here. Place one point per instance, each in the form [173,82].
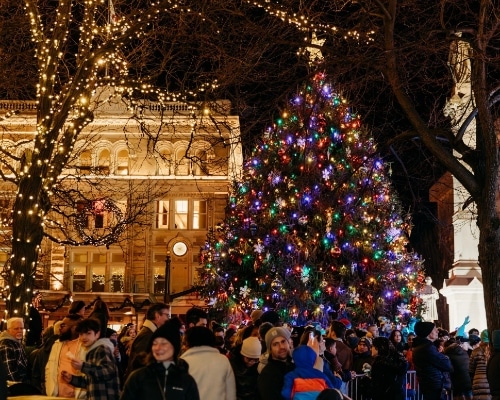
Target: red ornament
[336,251]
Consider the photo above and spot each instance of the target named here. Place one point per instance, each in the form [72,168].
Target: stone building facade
[171,166]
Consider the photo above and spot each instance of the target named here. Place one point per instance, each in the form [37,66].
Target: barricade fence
[412,390]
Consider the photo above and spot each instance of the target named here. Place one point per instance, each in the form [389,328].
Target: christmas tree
[313,229]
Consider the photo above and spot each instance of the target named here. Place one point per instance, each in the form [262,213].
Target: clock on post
[179,249]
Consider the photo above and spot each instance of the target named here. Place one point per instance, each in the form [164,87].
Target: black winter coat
[148,383]
[460,378]
[246,378]
[387,376]
[432,368]
[360,359]
[493,374]
[272,377]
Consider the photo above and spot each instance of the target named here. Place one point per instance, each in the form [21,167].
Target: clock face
[180,248]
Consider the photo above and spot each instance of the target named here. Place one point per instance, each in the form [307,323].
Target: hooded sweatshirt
[304,382]
[101,373]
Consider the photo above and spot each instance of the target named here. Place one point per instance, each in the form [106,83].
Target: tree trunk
[27,234]
[489,256]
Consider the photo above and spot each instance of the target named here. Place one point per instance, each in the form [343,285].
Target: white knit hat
[251,347]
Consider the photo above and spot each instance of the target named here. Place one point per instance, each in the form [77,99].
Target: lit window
[122,163]
[159,277]
[95,214]
[199,214]
[79,276]
[187,214]
[181,214]
[103,163]
[99,271]
[163,206]
[85,163]
[117,279]
[98,279]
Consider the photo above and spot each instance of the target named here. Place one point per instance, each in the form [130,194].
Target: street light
[166,293]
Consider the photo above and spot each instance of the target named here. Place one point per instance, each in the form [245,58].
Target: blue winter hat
[484,336]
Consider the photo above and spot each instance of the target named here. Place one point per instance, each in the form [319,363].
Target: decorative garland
[127,302]
[105,205]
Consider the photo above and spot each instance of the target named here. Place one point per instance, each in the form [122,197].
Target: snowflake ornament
[245,291]
[274,178]
[326,174]
[393,233]
[280,202]
[403,309]
[259,248]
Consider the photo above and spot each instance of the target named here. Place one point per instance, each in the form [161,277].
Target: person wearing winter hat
[431,366]
[270,381]
[277,332]
[424,329]
[166,377]
[244,361]
[271,316]
[461,380]
[251,349]
[305,381]
[313,337]
[484,336]
[362,355]
[255,316]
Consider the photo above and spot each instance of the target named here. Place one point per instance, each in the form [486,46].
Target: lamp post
[166,293]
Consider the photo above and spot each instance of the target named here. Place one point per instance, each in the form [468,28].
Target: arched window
[122,165]
[200,164]
[85,163]
[103,162]
[181,162]
[165,162]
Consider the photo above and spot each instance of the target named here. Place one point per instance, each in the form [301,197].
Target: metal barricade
[411,387]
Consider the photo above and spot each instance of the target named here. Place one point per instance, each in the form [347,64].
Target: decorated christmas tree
[313,229]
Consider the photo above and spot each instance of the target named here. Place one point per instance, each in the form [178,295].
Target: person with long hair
[77,307]
[397,340]
[100,312]
[388,371]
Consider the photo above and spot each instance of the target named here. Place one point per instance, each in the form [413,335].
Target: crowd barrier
[411,388]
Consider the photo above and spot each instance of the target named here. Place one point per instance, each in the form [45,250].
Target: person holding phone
[313,338]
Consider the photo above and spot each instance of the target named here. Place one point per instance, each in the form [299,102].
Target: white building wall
[463,289]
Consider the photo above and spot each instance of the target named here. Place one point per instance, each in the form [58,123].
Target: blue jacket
[432,367]
[304,382]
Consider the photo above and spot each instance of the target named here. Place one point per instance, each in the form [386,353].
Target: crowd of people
[194,358]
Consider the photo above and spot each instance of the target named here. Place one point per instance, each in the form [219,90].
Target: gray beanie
[275,332]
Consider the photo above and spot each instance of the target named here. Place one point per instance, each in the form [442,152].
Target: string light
[314,224]
[64,109]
